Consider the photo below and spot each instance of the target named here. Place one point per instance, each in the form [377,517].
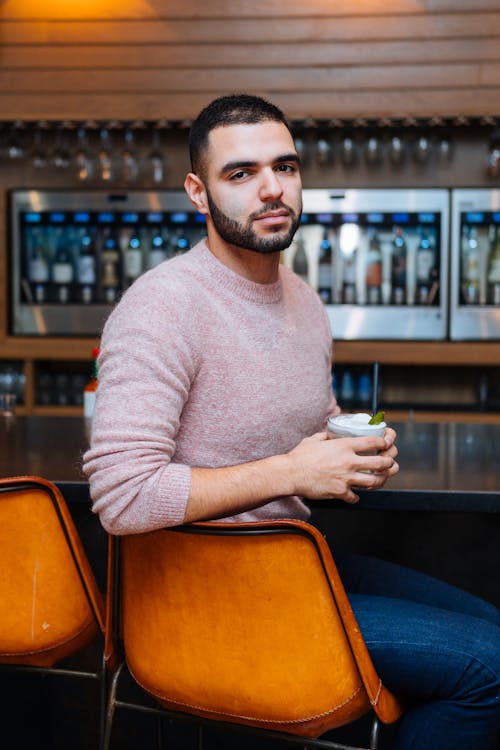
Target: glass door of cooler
[74,253]
[379,260]
[475,265]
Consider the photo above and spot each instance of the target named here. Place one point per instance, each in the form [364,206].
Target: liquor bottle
[349,279]
[300,262]
[398,268]
[494,270]
[424,269]
[90,390]
[349,239]
[325,269]
[62,271]
[110,276]
[38,271]
[470,266]
[132,265]
[374,271]
[86,268]
[157,249]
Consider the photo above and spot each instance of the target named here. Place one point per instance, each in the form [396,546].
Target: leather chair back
[50,602]
[246,623]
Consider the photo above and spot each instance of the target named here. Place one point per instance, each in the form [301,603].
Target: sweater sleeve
[143,385]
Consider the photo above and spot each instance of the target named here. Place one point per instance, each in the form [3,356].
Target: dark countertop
[443,466]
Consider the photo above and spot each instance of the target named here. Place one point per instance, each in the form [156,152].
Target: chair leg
[159,732]
[103,694]
[200,737]
[374,734]
[110,711]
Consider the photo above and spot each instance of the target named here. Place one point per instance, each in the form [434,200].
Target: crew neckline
[263,294]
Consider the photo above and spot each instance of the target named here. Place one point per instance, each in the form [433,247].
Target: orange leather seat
[242,623]
[50,602]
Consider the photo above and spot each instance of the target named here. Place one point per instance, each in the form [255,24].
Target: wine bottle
[133,258]
[86,268]
[157,249]
[300,262]
[374,271]
[110,274]
[424,269]
[38,271]
[325,269]
[398,268]
[494,270]
[470,266]
[62,271]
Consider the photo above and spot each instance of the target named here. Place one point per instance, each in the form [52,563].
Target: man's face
[253,186]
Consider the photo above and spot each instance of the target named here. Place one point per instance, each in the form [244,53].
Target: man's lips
[273,217]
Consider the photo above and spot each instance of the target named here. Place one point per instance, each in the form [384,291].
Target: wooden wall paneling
[150,56]
[280,30]
[144,58]
[402,78]
[138,9]
[474,101]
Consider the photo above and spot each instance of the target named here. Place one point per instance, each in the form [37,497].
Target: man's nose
[271,187]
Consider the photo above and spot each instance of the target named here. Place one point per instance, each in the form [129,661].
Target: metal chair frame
[114,702]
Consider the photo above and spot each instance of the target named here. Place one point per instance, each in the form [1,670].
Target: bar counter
[443,466]
[440,514]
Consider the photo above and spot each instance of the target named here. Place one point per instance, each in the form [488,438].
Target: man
[214,392]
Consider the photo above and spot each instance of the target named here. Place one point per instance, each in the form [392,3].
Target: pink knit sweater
[200,367]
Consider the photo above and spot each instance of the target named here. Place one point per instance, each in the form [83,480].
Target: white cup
[354,425]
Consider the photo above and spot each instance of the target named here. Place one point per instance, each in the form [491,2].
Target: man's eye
[239,175]
[285,168]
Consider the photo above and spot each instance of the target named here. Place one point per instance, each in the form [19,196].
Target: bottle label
[425,261]
[62,273]
[39,270]
[86,269]
[133,263]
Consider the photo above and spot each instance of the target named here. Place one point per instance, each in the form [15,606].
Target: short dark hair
[234,109]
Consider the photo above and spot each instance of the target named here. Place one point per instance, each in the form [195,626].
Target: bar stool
[244,626]
[50,602]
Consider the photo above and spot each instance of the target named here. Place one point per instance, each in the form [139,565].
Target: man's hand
[322,468]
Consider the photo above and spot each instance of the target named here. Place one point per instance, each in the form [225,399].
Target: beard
[242,234]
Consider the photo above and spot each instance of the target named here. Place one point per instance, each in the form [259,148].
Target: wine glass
[155,158]
[105,156]
[373,150]
[83,159]
[130,163]
[396,150]
[39,154]
[61,155]
[323,150]
[15,147]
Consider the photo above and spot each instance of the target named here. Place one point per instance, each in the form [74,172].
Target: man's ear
[195,189]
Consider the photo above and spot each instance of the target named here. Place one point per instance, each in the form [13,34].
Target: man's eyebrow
[237,164]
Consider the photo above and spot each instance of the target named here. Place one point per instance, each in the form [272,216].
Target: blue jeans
[436,647]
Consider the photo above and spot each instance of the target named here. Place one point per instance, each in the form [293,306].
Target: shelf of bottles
[73,262]
[473,389]
[475,292]
[369,253]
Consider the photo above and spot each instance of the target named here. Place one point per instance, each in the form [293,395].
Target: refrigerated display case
[475,265]
[379,260]
[74,253]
